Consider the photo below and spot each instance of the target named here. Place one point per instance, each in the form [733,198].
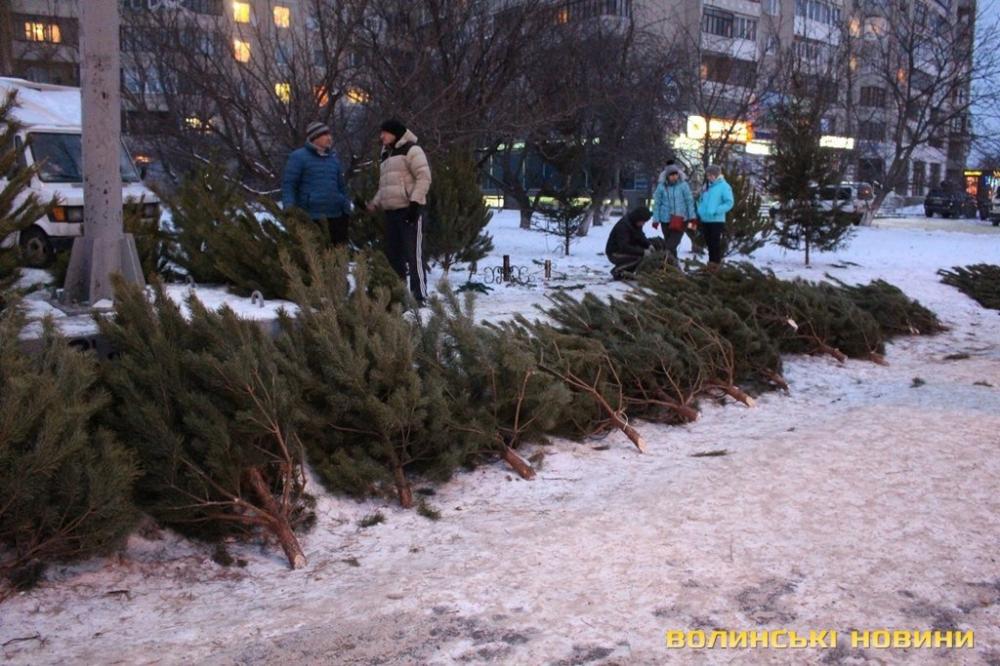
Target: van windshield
[835,193]
[60,158]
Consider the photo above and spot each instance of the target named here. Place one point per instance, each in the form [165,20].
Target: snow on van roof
[43,103]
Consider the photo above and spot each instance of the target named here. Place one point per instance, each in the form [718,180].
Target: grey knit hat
[713,170]
[316,130]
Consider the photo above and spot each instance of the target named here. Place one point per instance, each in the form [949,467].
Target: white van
[849,198]
[51,120]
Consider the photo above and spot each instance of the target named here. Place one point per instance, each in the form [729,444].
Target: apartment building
[44,40]
[734,41]
[44,34]
[737,38]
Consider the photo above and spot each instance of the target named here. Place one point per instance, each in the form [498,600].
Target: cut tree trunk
[613,416]
[686,413]
[823,348]
[776,379]
[403,487]
[517,463]
[277,520]
[736,393]
[875,357]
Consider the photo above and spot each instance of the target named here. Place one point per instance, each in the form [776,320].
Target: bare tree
[449,68]
[724,78]
[593,89]
[241,90]
[920,73]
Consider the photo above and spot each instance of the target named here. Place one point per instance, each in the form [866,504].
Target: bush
[456,213]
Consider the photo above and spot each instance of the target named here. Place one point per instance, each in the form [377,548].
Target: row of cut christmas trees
[205,423]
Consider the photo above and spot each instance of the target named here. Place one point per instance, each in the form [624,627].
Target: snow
[43,104]
[37,306]
[906,211]
[854,501]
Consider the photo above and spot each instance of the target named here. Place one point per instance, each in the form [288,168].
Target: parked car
[849,198]
[50,117]
[950,203]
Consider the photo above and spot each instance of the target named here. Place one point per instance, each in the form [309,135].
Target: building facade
[734,42]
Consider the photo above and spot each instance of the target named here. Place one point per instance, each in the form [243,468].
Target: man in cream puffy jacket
[404,178]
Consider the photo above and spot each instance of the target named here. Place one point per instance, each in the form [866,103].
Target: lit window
[282,16]
[357,96]
[35,31]
[241,50]
[283,91]
[241,12]
[562,16]
[194,122]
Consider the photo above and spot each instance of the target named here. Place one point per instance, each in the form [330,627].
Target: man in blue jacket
[314,182]
[715,202]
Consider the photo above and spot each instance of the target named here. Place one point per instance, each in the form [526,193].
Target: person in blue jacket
[673,207]
[314,182]
[714,203]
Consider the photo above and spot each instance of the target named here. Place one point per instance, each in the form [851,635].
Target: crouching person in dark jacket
[627,244]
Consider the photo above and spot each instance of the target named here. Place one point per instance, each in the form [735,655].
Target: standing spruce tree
[65,482]
[18,210]
[211,414]
[564,214]
[800,169]
[457,213]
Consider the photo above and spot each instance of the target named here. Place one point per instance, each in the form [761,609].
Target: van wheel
[36,248]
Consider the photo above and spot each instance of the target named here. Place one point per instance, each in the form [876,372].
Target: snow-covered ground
[857,501]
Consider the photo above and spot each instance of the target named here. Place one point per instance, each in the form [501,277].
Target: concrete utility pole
[104,249]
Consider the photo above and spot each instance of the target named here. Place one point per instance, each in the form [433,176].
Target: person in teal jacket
[671,200]
[714,203]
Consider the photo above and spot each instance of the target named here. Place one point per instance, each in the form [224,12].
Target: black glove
[413,213]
